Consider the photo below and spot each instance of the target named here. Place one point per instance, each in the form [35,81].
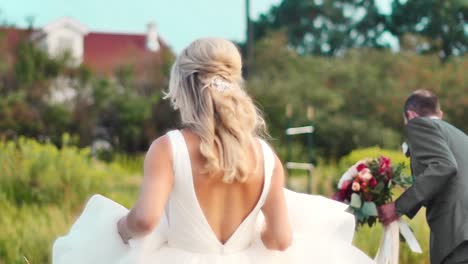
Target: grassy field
[43,189]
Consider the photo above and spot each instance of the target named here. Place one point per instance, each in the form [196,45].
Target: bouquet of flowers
[366,186]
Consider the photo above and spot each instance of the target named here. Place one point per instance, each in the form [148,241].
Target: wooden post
[310,184]
[289,113]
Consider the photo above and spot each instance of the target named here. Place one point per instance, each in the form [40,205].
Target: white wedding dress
[323,231]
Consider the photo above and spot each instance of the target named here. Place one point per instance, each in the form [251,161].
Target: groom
[439,162]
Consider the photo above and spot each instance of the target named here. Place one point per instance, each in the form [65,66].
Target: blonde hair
[206,87]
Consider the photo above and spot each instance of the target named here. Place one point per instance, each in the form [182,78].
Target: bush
[396,157]
[43,189]
[35,173]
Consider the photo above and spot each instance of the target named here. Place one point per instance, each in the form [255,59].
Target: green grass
[43,189]
[368,239]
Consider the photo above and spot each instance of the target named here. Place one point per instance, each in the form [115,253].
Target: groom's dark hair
[423,102]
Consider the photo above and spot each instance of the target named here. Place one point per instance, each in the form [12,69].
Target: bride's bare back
[225,205]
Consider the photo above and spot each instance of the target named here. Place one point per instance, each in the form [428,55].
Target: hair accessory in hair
[220,84]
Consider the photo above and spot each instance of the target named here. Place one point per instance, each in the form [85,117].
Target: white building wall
[65,38]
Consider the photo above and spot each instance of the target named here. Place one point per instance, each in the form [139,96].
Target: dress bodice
[188,228]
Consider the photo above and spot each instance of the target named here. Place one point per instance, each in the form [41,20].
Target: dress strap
[180,157]
[269,165]
[177,146]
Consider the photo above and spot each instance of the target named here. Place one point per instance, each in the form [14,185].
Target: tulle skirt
[323,233]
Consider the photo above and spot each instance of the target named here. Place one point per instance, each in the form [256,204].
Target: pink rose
[356,187]
[385,166]
[365,174]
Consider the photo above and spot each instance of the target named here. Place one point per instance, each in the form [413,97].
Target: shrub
[43,189]
[41,173]
[397,157]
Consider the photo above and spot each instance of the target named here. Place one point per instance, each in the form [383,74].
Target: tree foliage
[325,27]
[330,27]
[442,24]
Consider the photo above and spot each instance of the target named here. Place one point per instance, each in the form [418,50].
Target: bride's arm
[277,233]
[157,184]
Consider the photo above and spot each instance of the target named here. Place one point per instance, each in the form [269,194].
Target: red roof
[10,38]
[105,52]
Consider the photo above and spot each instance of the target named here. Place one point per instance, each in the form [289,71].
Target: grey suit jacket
[439,161]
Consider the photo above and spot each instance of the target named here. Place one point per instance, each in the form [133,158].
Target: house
[103,52]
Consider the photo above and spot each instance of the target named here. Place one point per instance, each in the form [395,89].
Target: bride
[213,191]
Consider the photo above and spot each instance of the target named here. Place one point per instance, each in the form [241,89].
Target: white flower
[348,175]
[405,148]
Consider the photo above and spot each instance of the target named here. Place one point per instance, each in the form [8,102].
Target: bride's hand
[123,230]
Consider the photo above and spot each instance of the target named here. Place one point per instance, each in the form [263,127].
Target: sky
[179,22]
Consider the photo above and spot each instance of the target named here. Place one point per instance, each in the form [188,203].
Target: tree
[442,24]
[126,110]
[329,27]
[325,27]
[24,92]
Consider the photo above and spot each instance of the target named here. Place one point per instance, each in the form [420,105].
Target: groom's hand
[388,213]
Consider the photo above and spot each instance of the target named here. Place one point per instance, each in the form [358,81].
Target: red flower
[385,166]
[344,193]
[361,166]
[337,197]
[346,185]
[363,184]
[373,182]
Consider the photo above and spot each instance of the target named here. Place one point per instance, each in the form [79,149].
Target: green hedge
[396,157]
